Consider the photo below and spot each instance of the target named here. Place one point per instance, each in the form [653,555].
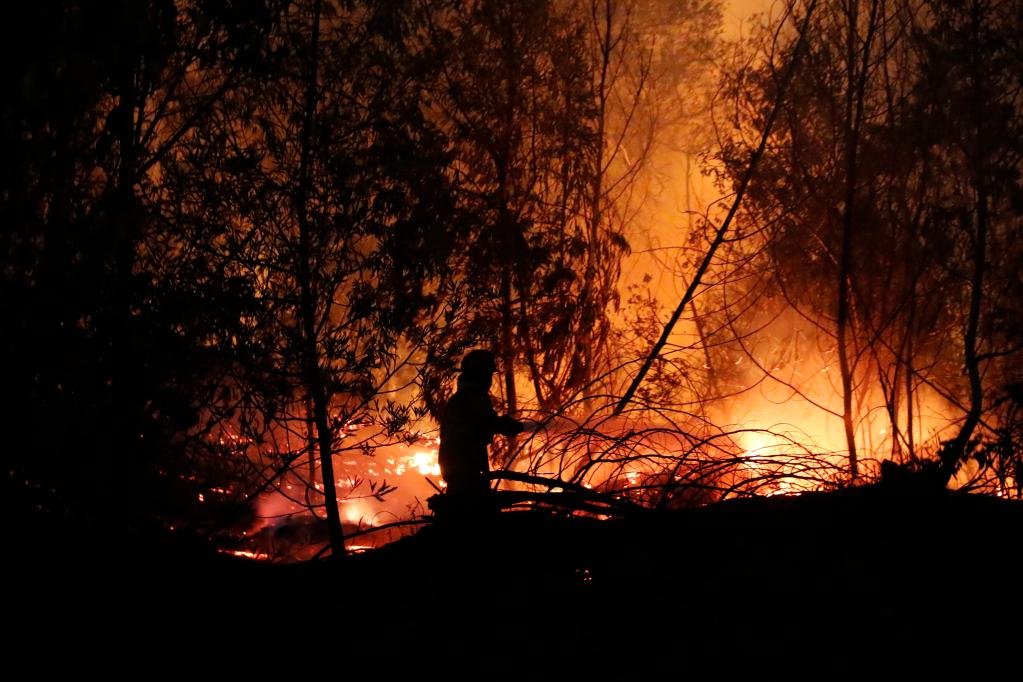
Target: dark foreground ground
[868,583]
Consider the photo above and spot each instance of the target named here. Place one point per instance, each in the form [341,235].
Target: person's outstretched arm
[507,426]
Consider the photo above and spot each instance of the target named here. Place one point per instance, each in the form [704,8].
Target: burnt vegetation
[244,246]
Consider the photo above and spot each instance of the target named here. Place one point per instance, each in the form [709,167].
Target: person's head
[480,366]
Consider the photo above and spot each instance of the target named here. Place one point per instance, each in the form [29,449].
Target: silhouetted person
[468,426]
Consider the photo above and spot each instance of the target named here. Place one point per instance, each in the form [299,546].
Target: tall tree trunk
[959,447]
[307,307]
[526,330]
[955,451]
[604,25]
[910,439]
[508,340]
[843,324]
[845,255]
[310,445]
[856,80]
[124,218]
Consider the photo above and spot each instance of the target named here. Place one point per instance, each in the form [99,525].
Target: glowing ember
[357,512]
[426,463]
[244,554]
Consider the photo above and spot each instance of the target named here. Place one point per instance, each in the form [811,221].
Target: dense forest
[244,247]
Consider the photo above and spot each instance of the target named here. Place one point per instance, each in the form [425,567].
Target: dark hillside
[864,582]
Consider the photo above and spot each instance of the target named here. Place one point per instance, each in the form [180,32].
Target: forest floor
[870,582]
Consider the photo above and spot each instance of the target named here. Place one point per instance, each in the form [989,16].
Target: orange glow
[244,554]
[358,512]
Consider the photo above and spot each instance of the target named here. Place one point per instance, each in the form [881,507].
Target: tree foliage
[516,96]
[911,220]
[107,375]
[324,186]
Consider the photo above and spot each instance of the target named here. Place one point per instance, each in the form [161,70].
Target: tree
[106,345]
[861,202]
[324,185]
[971,89]
[514,94]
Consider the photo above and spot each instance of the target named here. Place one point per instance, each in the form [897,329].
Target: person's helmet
[479,362]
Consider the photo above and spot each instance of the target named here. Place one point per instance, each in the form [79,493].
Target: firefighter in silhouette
[467,427]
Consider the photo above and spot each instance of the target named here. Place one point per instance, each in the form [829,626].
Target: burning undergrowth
[642,459]
[592,463]
[671,459]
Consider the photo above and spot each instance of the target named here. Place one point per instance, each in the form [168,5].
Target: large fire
[634,457]
[781,439]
